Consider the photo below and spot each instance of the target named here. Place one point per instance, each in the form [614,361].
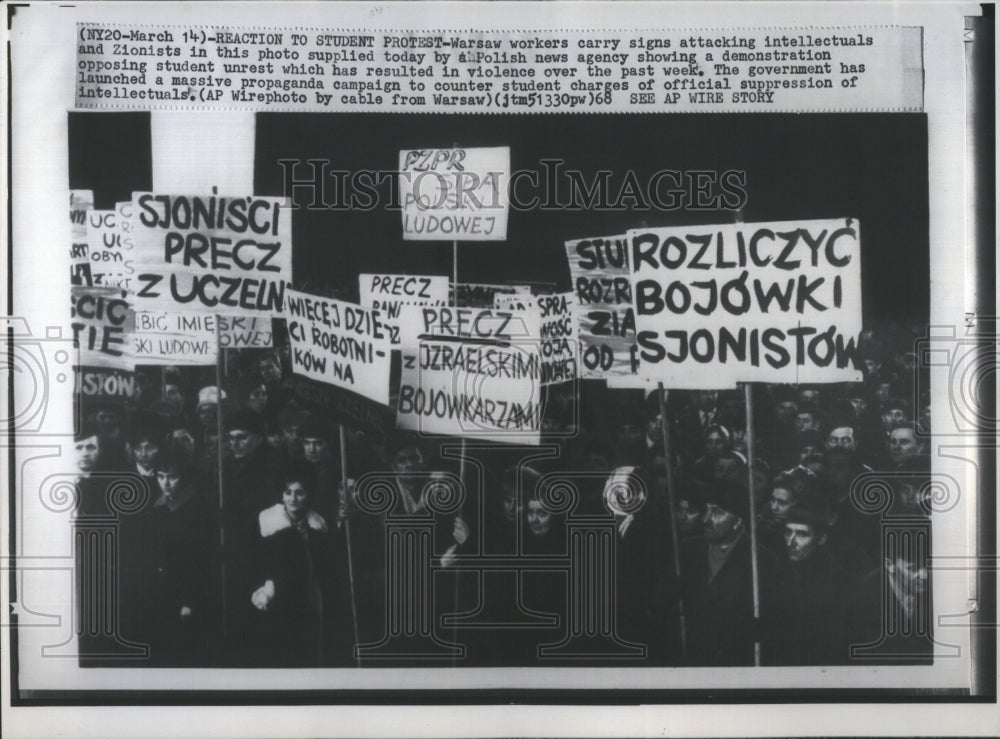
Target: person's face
[539,519]
[87,452]
[893,416]
[295,499]
[805,421]
[243,443]
[145,453]
[707,399]
[169,481]
[293,440]
[183,439]
[859,404]
[208,415]
[257,399]
[715,443]
[780,503]
[883,391]
[786,410]
[173,397]
[269,370]
[872,367]
[408,461]
[925,418]
[275,439]
[809,395]
[511,506]
[801,540]
[629,435]
[688,516]
[902,445]
[314,449]
[719,523]
[727,468]
[911,578]
[842,438]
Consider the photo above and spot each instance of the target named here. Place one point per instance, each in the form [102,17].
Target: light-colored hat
[210,395]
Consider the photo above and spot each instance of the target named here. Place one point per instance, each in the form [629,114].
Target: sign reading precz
[454,194]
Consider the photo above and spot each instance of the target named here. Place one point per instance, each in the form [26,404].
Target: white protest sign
[245,332]
[455,194]
[482,295]
[339,343]
[111,260]
[390,293]
[211,253]
[80,201]
[770,302]
[559,346]
[174,338]
[101,322]
[606,317]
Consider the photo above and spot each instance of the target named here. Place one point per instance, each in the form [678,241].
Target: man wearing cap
[718,584]
[803,613]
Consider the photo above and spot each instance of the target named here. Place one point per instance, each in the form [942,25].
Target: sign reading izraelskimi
[455,194]
[211,254]
[472,372]
[339,343]
[558,334]
[770,302]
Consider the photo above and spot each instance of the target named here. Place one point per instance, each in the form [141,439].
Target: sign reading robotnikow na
[769,302]
[340,344]
[211,254]
[455,194]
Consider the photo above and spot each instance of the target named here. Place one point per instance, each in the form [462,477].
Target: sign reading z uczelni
[211,254]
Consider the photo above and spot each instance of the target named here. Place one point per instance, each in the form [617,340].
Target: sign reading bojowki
[769,302]
[559,346]
[455,194]
[339,343]
[211,253]
[472,372]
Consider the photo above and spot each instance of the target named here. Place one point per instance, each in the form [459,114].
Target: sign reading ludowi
[476,374]
[772,302]
[339,343]
[174,338]
[457,194]
[211,253]
[606,317]
[559,345]
[101,322]
[390,294]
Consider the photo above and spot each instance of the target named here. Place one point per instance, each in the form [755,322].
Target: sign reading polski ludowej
[605,313]
[389,293]
[101,322]
[772,302]
[559,344]
[339,343]
[211,253]
[455,194]
[245,332]
[174,338]
[476,373]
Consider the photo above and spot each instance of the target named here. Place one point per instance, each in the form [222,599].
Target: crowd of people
[248,546]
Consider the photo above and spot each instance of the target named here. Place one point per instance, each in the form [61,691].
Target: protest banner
[187,339]
[211,253]
[101,322]
[475,372]
[245,332]
[559,346]
[746,302]
[339,343]
[80,201]
[111,261]
[344,406]
[481,295]
[457,194]
[390,293]
[104,383]
[606,317]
